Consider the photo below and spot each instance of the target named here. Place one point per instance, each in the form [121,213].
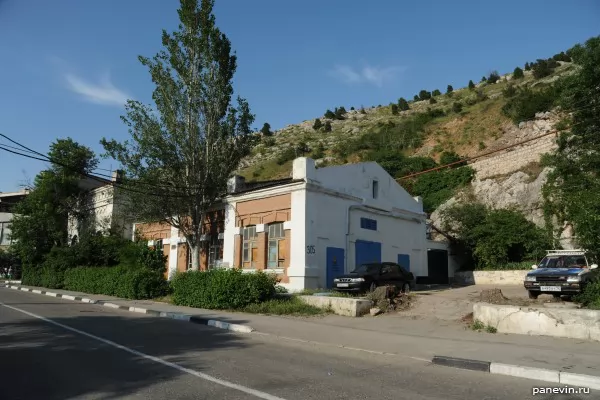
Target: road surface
[58,349]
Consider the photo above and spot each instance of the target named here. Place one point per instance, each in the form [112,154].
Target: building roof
[252,186]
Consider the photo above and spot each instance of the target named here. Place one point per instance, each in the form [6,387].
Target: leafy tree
[41,219]
[424,95]
[471,85]
[329,114]
[436,92]
[457,107]
[527,66]
[317,125]
[518,73]
[403,104]
[432,100]
[394,109]
[184,152]
[416,98]
[483,79]
[449,89]
[573,186]
[494,77]
[327,127]
[266,129]
[438,186]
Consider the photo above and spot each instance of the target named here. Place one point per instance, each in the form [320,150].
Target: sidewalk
[398,335]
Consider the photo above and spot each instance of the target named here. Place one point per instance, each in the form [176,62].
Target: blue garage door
[335,264]
[404,261]
[367,252]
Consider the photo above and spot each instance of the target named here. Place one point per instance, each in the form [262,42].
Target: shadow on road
[39,360]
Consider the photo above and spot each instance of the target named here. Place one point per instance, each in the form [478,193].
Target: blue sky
[69,65]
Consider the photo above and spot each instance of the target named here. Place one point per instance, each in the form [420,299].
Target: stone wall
[490,277]
[513,159]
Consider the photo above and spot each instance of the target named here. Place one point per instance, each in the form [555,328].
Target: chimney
[236,183]
[117,176]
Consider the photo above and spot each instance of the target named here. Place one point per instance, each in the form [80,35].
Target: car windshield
[563,262]
[365,268]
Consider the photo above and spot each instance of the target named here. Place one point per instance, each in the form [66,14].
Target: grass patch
[480,326]
[267,170]
[291,305]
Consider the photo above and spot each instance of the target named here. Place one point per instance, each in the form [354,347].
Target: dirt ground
[454,304]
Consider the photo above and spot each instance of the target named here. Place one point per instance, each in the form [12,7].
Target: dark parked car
[367,277]
[561,272]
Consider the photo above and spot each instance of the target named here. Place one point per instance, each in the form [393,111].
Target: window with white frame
[276,249]
[5,234]
[250,246]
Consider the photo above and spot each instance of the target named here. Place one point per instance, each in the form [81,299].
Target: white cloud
[102,93]
[368,74]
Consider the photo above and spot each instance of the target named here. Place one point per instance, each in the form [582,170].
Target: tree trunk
[194,248]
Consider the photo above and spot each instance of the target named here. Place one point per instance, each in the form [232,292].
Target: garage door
[367,252]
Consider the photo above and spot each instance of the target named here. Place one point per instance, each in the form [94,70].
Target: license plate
[550,288]
[342,285]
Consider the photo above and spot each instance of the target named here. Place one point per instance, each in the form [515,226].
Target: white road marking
[231,385]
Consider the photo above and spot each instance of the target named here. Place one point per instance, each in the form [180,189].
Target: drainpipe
[372,211]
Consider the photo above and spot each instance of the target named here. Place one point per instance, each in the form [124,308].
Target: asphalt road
[59,349]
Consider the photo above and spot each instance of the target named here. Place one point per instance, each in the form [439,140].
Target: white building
[104,207]
[8,200]
[325,221]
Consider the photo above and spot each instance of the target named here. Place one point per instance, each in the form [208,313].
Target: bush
[449,157]
[438,186]
[424,95]
[416,97]
[266,129]
[291,305]
[526,103]
[222,288]
[319,151]
[269,141]
[128,283]
[449,89]
[543,68]
[394,109]
[329,114]
[436,92]
[494,77]
[317,125]
[288,154]
[471,85]
[432,101]
[327,127]
[590,297]
[457,107]
[518,73]
[403,104]
[494,237]
[509,91]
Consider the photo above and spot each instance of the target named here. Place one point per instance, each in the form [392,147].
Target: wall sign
[310,249]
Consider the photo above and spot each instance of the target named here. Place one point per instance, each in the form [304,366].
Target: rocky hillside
[469,121]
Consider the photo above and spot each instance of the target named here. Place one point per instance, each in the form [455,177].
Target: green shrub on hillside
[317,125]
[416,97]
[494,237]
[450,157]
[222,288]
[403,104]
[397,165]
[436,92]
[395,136]
[471,85]
[329,114]
[327,127]
[424,95]
[457,107]
[509,91]
[449,89]
[494,77]
[543,68]
[526,103]
[438,186]
[394,109]
[518,73]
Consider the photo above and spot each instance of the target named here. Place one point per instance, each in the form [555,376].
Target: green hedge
[43,275]
[222,289]
[116,281]
[590,297]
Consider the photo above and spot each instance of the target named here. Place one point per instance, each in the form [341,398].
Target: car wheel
[533,295]
[406,288]
[372,287]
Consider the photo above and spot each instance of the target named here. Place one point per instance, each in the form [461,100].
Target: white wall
[357,180]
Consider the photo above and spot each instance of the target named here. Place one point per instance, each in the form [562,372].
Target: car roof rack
[574,252]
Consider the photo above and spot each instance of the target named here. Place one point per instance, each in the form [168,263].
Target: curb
[163,314]
[547,375]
